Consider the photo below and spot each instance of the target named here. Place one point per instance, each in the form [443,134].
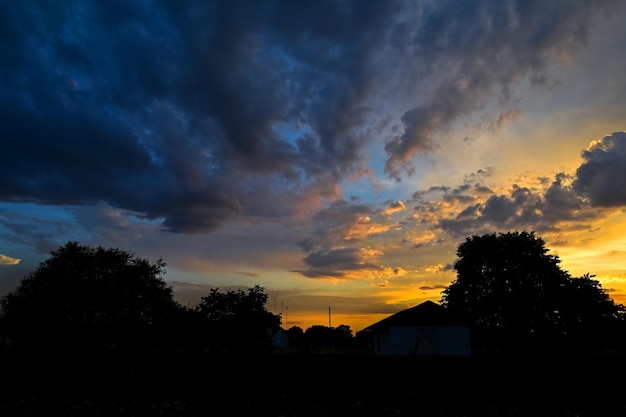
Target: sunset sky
[335,153]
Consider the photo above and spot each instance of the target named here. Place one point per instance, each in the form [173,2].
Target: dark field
[313,385]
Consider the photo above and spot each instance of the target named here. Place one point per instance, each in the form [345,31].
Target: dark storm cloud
[24,229]
[337,243]
[332,224]
[334,262]
[194,112]
[563,202]
[472,210]
[557,208]
[475,49]
[601,176]
[185,110]
[432,287]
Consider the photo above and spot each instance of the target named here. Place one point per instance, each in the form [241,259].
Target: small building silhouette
[280,339]
[427,329]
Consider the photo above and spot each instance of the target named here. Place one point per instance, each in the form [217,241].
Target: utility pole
[329,317]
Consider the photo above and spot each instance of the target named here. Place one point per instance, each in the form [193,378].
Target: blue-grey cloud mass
[194,112]
[600,178]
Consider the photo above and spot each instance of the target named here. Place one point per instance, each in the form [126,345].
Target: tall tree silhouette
[86,297]
[515,295]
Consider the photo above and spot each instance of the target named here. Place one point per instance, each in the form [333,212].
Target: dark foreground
[286,385]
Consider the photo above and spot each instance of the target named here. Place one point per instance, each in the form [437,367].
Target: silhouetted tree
[238,321]
[364,338]
[320,337]
[295,334]
[343,332]
[83,297]
[514,295]
[589,317]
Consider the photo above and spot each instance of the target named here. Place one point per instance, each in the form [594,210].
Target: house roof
[427,313]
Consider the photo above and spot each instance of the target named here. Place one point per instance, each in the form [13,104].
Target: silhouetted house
[426,329]
[280,339]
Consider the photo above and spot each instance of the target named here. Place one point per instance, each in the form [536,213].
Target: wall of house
[423,340]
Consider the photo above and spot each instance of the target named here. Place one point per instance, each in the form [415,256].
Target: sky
[335,153]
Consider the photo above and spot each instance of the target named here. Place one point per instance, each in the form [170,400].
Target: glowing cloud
[7,260]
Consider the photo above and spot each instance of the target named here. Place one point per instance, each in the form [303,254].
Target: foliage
[84,296]
[295,334]
[587,313]
[238,321]
[514,294]
[364,339]
[323,337]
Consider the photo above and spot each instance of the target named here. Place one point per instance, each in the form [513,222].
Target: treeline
[509,291]
[85,299]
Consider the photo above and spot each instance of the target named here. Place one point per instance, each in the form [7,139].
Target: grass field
[313,385]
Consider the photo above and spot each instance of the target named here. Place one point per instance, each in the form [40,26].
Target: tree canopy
[319,337]
[237,320]
[82,294]
[514,293]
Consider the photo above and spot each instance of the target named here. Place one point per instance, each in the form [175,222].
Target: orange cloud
[7,260]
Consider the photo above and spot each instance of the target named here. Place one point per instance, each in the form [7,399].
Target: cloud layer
[600,178]
[193,113]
